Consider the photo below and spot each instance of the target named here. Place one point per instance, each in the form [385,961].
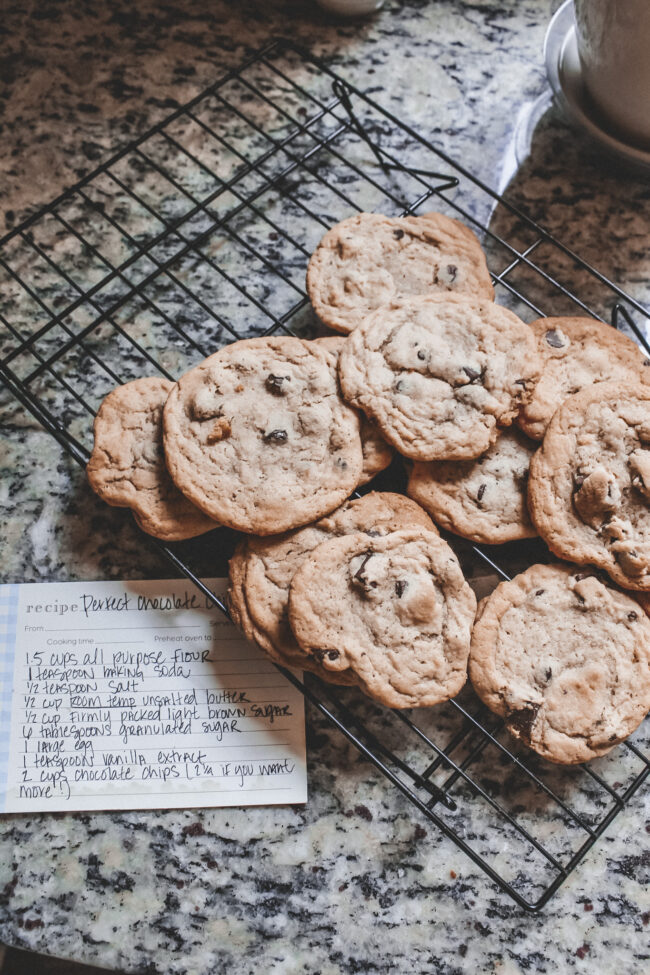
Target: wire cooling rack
[197,234]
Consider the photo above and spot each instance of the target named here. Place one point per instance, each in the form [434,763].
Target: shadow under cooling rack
[198,234]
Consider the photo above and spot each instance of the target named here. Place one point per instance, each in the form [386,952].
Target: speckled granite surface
[355,881]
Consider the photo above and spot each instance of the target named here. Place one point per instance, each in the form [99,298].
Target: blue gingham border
[9,596]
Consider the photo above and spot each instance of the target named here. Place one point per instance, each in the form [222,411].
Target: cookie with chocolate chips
[377,454]
[369,260]
[258,437]
[127,466]
[577,352]
[395,610]
[261,571]
[440,374]
[483,499]
[565,659]
[589,484]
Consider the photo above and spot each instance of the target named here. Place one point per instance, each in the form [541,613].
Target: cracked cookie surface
[258,437]
[261,571]
[589,485]
[565,659]
[440,374]
[396,610]
[377,454]
[127,466]
[368,260]
[483,499]
[576,352]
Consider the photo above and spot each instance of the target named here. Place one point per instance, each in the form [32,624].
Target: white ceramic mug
[614,48]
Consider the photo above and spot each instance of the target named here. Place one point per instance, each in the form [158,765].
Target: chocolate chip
[276,436]
[342,464]
[646,362]
[582,575]
[398,234]
[421,355]
[372,532]
[330,654]
[481,492]
[400,587]
[540,591]
[452,270]
[554,339]
[523,719]
[400,386]
[472,374]
[521,382]
[632,616]
[549,674]
[276,384]
[360,578]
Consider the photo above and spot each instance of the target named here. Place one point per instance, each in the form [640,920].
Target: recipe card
[139,695]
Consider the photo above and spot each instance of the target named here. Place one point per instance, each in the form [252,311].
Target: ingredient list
[139,695]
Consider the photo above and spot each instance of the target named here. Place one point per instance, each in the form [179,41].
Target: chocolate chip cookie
[258,437]
[369,260]
[576,352]
[565,659]
[483,499]
[377,454]
[261,571]
[440,374]
[589,485]
[127,466]
[395,609]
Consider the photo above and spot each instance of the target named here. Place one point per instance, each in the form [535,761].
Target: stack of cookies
[271,436]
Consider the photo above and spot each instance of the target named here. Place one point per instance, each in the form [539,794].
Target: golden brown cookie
[483,499]
[258,437]
[368,260]
[576,352]
[261,571]
[565,659]
[127,466]
[394,609]
[440,374]
[589,485]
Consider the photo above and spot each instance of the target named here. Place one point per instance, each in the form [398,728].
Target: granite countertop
[356,881]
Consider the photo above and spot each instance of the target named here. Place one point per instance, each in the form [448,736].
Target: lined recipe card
[139,695]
